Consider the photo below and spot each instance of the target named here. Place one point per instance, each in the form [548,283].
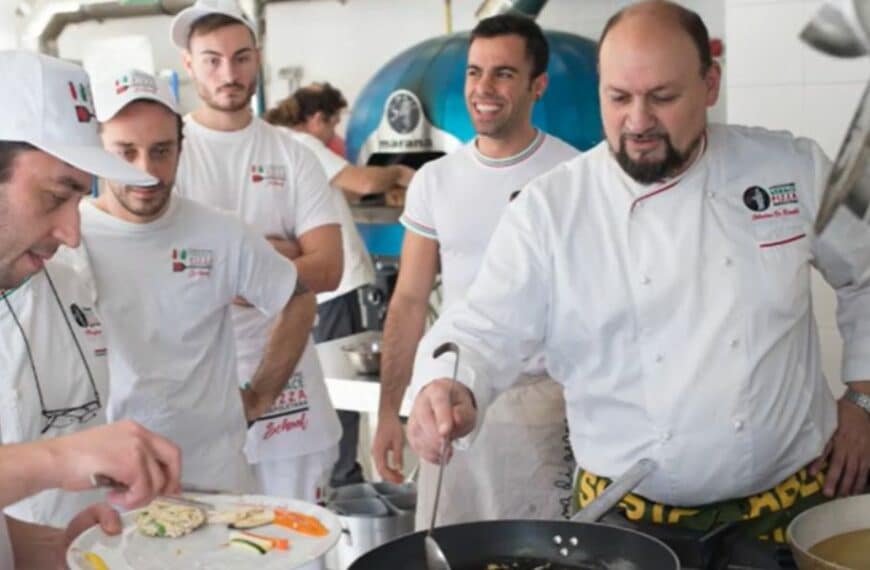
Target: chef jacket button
[659,358]
[728,261]
[711,194]
[733,343]
[645,280]
[666,436]
[738,425]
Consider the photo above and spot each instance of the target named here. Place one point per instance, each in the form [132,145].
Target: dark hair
[537,49]
[306,102]
[212,22]
[9,150]
[689,21]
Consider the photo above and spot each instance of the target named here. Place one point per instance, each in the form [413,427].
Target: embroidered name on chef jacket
[269,174]
[778,201]
[194,262]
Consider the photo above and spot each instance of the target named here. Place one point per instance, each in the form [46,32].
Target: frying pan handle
[622,486]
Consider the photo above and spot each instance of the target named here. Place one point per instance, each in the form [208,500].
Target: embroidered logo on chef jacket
[289,412]
[82,101]
[271,174]
[756,199]
[778,201]
[85,318]
[196,262]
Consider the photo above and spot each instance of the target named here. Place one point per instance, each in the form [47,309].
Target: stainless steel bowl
[365,357]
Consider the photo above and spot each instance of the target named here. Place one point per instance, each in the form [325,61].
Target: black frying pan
[565,544]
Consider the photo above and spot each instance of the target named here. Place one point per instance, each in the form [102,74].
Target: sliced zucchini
[247,545]
[264,543]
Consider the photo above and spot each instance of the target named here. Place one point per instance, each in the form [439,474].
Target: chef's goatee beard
[646,172]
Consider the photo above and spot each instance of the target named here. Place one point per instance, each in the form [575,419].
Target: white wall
[778,82]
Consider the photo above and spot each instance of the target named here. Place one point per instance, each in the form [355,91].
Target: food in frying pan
[513,563]
[170,520]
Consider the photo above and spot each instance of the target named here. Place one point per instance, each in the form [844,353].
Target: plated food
[240,531]
[171,520]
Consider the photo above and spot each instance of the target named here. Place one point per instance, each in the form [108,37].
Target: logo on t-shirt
[271,174]
[195,262]
[289,411]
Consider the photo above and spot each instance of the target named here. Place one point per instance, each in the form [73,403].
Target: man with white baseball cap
[49,151]
[184,20]
[236,161]
[167,270]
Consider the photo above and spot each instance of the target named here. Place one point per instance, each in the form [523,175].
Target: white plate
[206,547]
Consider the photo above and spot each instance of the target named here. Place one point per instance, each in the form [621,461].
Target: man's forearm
[318,271]
[402,332]
[26,469]
[284,348]
[35,546]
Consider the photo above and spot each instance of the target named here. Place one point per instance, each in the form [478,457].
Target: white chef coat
[457,200]
[67,378]
[164,290]
[274,184]
[677,317]
[358,268]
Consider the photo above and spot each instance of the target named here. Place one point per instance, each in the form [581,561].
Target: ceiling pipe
[50,23]
[530,8]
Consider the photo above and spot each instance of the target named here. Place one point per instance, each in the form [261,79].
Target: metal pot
[822,522]
[370,517]
[365,357]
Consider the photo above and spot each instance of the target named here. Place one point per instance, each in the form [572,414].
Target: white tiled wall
[776,81]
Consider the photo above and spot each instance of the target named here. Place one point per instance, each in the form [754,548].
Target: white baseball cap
[114,93]
[48,103]
[181,24]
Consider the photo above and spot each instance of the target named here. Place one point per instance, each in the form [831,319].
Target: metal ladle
[620,487]
[435,557]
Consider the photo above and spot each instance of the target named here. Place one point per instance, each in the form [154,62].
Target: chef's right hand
[433,418]
[143,463]
[387,447]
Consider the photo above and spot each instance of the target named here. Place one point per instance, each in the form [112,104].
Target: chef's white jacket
[677,316]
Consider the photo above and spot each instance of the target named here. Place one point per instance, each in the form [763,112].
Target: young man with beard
[240,163]
[672,304]
[167,270]
[453,205]
[49,152]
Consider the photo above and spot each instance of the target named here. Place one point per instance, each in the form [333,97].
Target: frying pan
[567,544]
[586,546]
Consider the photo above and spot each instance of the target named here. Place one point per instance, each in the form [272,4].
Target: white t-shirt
[274,184]
[164,290]
[358,267]
[56,314]
[458,199]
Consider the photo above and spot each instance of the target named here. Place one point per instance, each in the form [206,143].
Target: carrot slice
[304,524]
